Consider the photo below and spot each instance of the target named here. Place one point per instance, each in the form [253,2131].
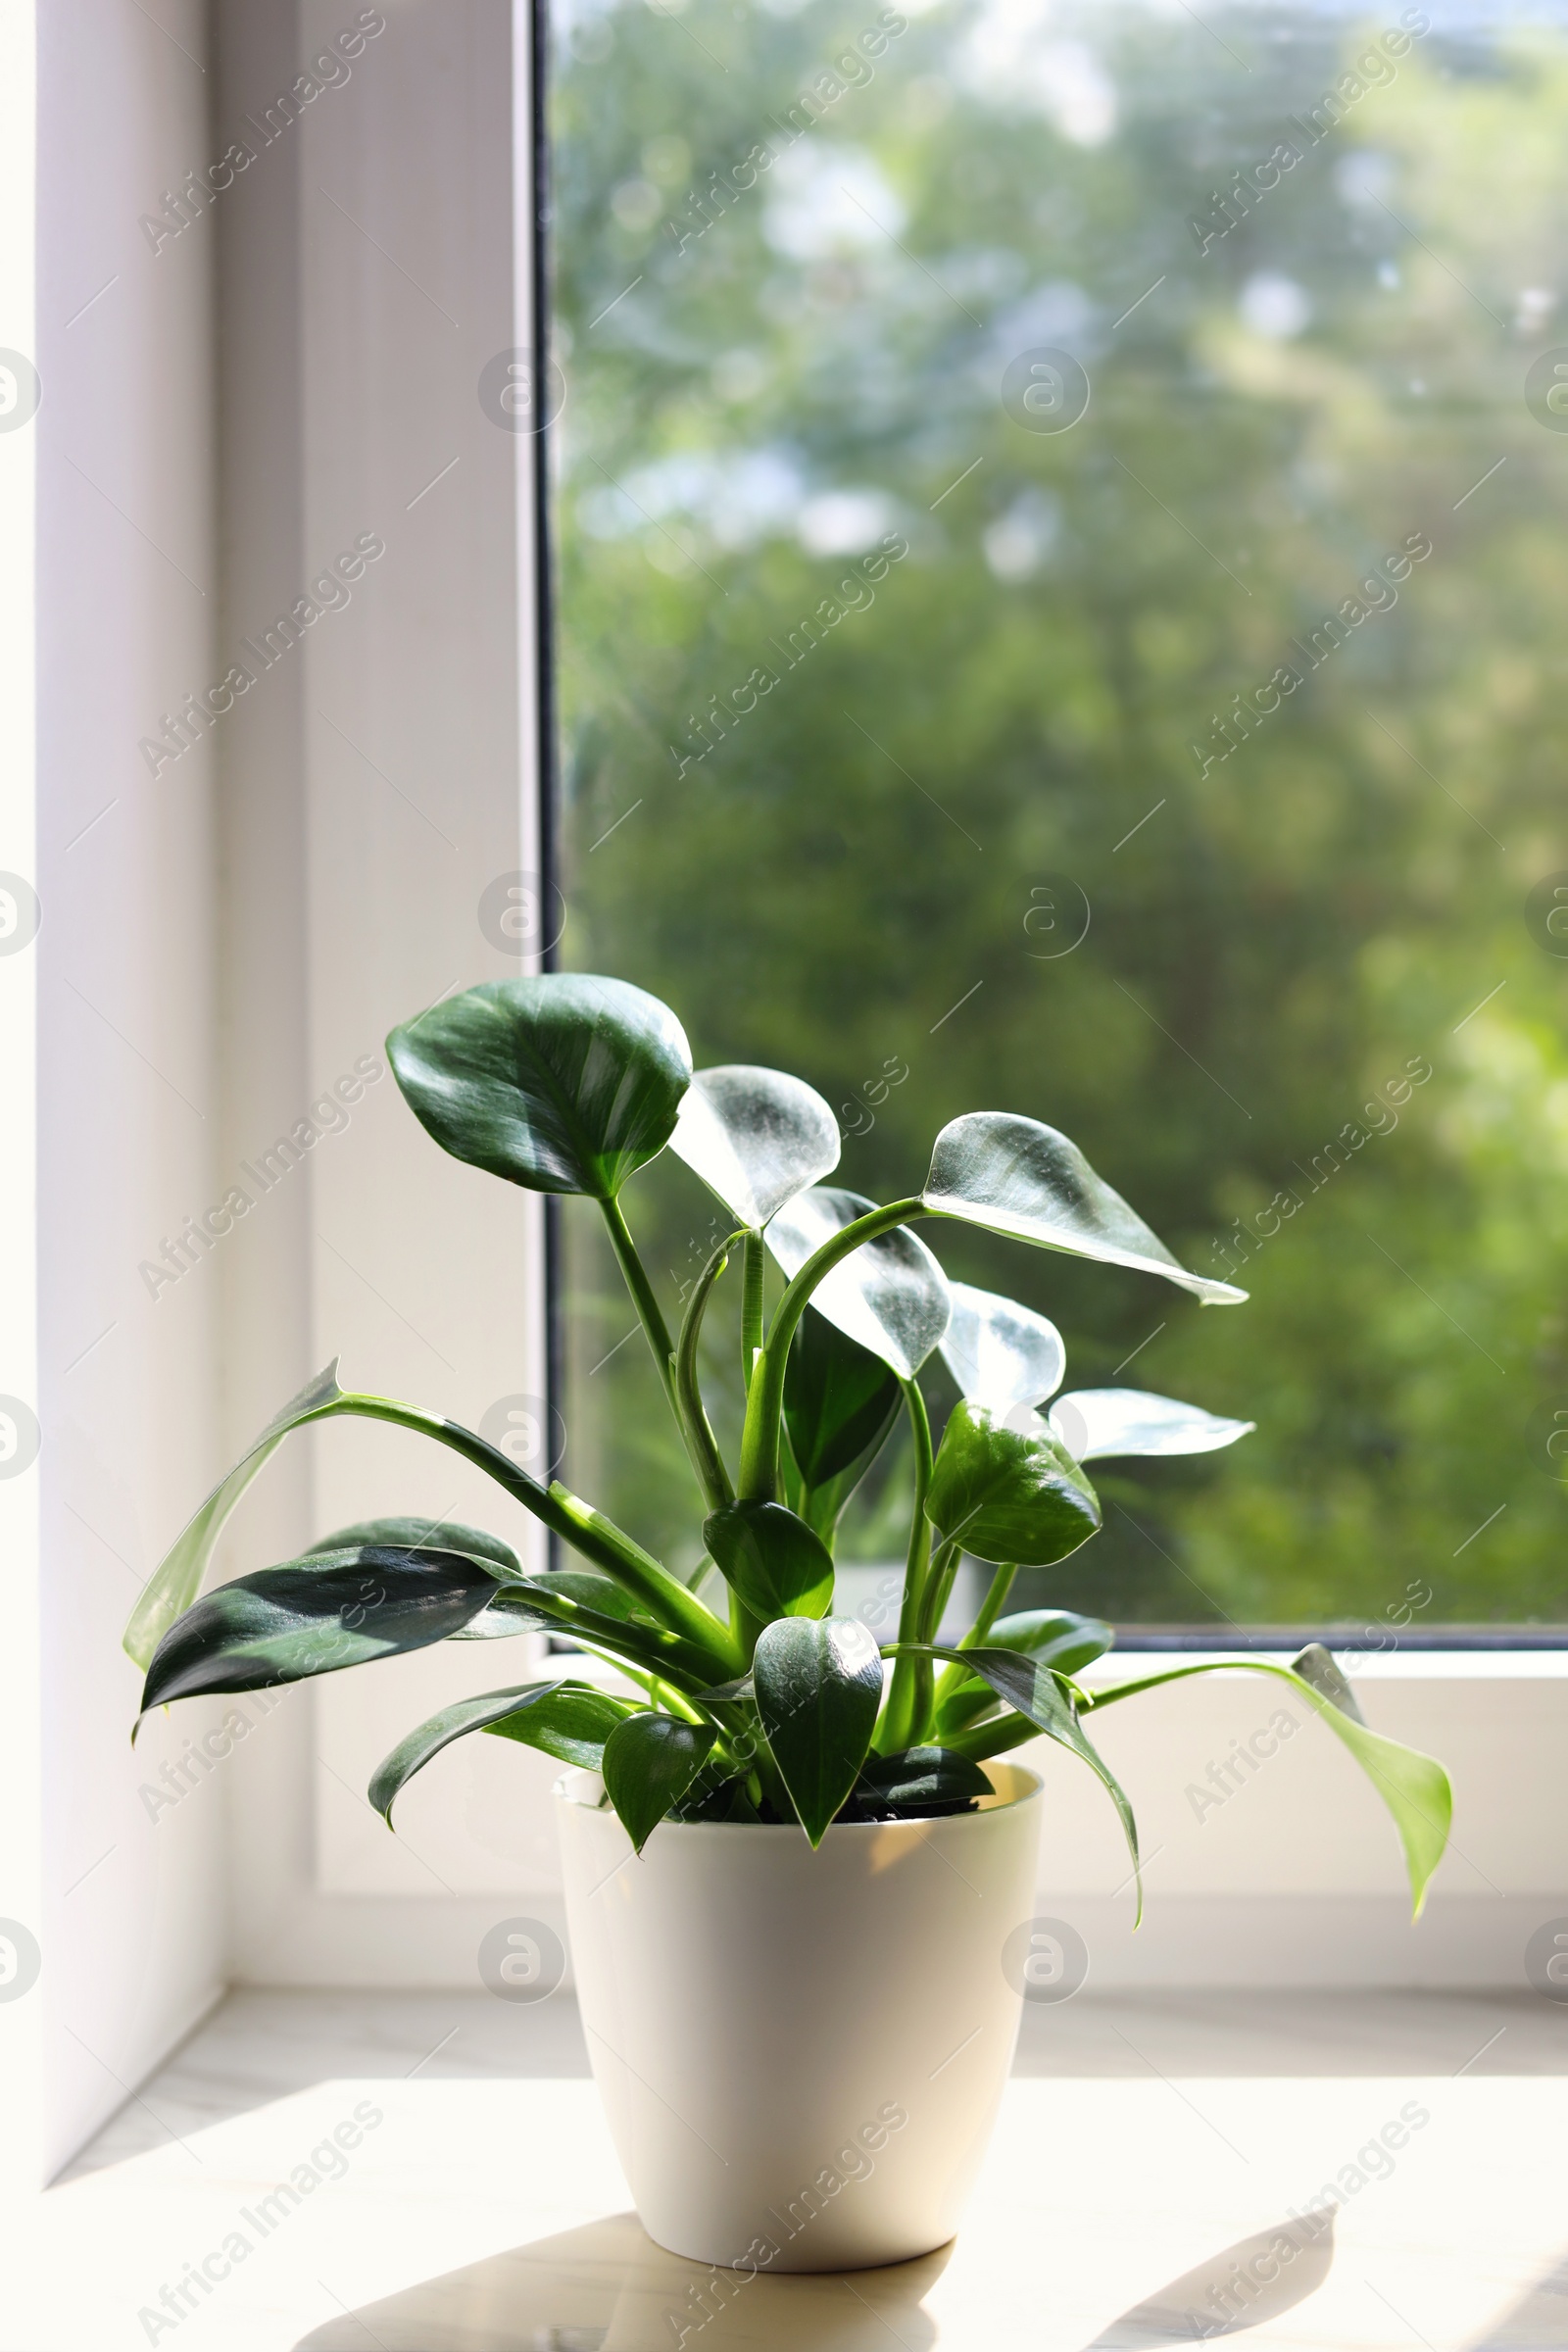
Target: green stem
[577,1522]
[696,1428]
[752,1307]
[642,1296]
[765,1403]
[909,1693]
[938,1587]
[991,1609]
[709,1472]
[981,1739]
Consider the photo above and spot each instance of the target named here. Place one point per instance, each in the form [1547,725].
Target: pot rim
[583,1788]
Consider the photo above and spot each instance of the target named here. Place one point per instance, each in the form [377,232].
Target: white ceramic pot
[800,2054]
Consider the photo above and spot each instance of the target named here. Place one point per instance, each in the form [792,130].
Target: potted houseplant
[796,1864]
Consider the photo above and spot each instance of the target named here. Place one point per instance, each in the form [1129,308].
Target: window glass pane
[1061,569]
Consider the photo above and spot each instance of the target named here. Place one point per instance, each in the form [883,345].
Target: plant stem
[990,1611]
[696,1428]
[642,1295]
[977,1740]
[765,1403]
[577,1522]
[752,1307]
[697,1438]
[909,1693]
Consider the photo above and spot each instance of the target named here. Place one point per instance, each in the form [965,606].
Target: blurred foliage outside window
[1187,772]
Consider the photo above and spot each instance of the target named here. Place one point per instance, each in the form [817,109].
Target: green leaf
[1040,1694]
[411,1532]
[818,1688]
[562,1082]
[1001,1353]
[569,1719]
[840,1400]
[1014,1176]
[771,1560]
[1095,1422]
[503,1617]
[1057,1638]
[1007,1491]
[918,1781]
[314,1616]
[1414,1787]
[890,1294]
[650,1763]
[756,1138]
[508,1612]
[176,1580]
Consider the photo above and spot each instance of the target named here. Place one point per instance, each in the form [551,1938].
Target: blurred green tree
[1313,1030]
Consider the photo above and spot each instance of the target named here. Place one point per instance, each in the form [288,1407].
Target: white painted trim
[20,1714]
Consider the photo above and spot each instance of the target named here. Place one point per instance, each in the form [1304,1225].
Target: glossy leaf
[818,1686]
[1001,1353]
[840,1400]
[176,1580]
[1097,1423]
[772,1559]
[650,1763]
[408,1531]
[1414,1787]
[918,1781]
[755,1137]
[508,1612]
[562,1083]
[1007,1491]
[504,1617]
[889,1294]
[313,1616]
[1057,1638]
[569,1720]
[1014,1176]
[1039,1693]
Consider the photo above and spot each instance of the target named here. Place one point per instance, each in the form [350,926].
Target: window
[1060,563]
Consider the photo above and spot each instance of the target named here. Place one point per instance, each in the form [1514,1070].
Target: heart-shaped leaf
[1001,1353]
[562,1082]
[176,1580]
[314,1616]
[569,1720]
[650,1763]
[1014,1176]
[756,1138]
[1007,1491]
[1095,1422]
[772,1559]
[1039,1693]
[1057,1638]
[840,1400]
[889,1294]
[918,1781]
[818,1688]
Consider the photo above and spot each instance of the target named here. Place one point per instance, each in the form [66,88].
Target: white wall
[114,1122]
